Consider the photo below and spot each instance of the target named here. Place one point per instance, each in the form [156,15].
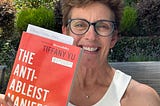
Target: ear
[64,29]
[114,39]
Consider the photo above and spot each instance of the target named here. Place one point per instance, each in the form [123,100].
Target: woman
[94,26]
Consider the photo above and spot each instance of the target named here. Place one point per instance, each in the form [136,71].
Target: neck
[90,84]
[88,77]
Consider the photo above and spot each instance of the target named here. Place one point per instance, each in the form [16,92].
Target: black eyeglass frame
[114,26]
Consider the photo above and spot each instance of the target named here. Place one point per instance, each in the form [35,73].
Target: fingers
[5,100]
[2,101]
[8,101]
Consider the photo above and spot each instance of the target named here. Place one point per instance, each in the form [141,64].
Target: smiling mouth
[90,49]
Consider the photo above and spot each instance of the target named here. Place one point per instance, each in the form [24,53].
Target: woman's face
[95,47]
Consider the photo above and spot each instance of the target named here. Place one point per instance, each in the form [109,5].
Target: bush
[136,49]
[130,2]
[7,15]
[7,33]
[58,16]
[42,17]
[149,17]
[7,12]
[128,22]
[20,4]
[8,51]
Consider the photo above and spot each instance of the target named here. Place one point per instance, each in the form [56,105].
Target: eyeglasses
[81,26]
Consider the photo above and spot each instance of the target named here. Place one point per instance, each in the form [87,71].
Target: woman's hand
[5,100]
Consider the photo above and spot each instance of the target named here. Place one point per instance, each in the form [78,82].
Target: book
[49,34]
[43,71]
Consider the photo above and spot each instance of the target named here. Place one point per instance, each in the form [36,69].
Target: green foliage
[130,2]
[42,17]
[7,15]
[7,43]
[7,31]
[7,12]
[5,81]
[136,49]
[8,50]
[128,22]
[9,38]
[58,16]
[149,17]
[20,4]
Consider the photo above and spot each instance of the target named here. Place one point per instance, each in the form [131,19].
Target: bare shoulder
[139,94]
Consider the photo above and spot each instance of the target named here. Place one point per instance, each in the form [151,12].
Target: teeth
[91,49]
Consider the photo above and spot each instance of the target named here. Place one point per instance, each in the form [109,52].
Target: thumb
[5,100]
[2,101]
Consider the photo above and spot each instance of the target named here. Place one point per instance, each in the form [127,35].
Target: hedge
[136,49]
[42,17]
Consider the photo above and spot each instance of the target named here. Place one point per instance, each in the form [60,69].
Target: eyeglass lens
[102,27]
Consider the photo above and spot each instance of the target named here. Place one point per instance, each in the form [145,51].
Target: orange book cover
[43,72]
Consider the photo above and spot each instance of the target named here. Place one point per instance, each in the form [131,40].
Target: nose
[90,34]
